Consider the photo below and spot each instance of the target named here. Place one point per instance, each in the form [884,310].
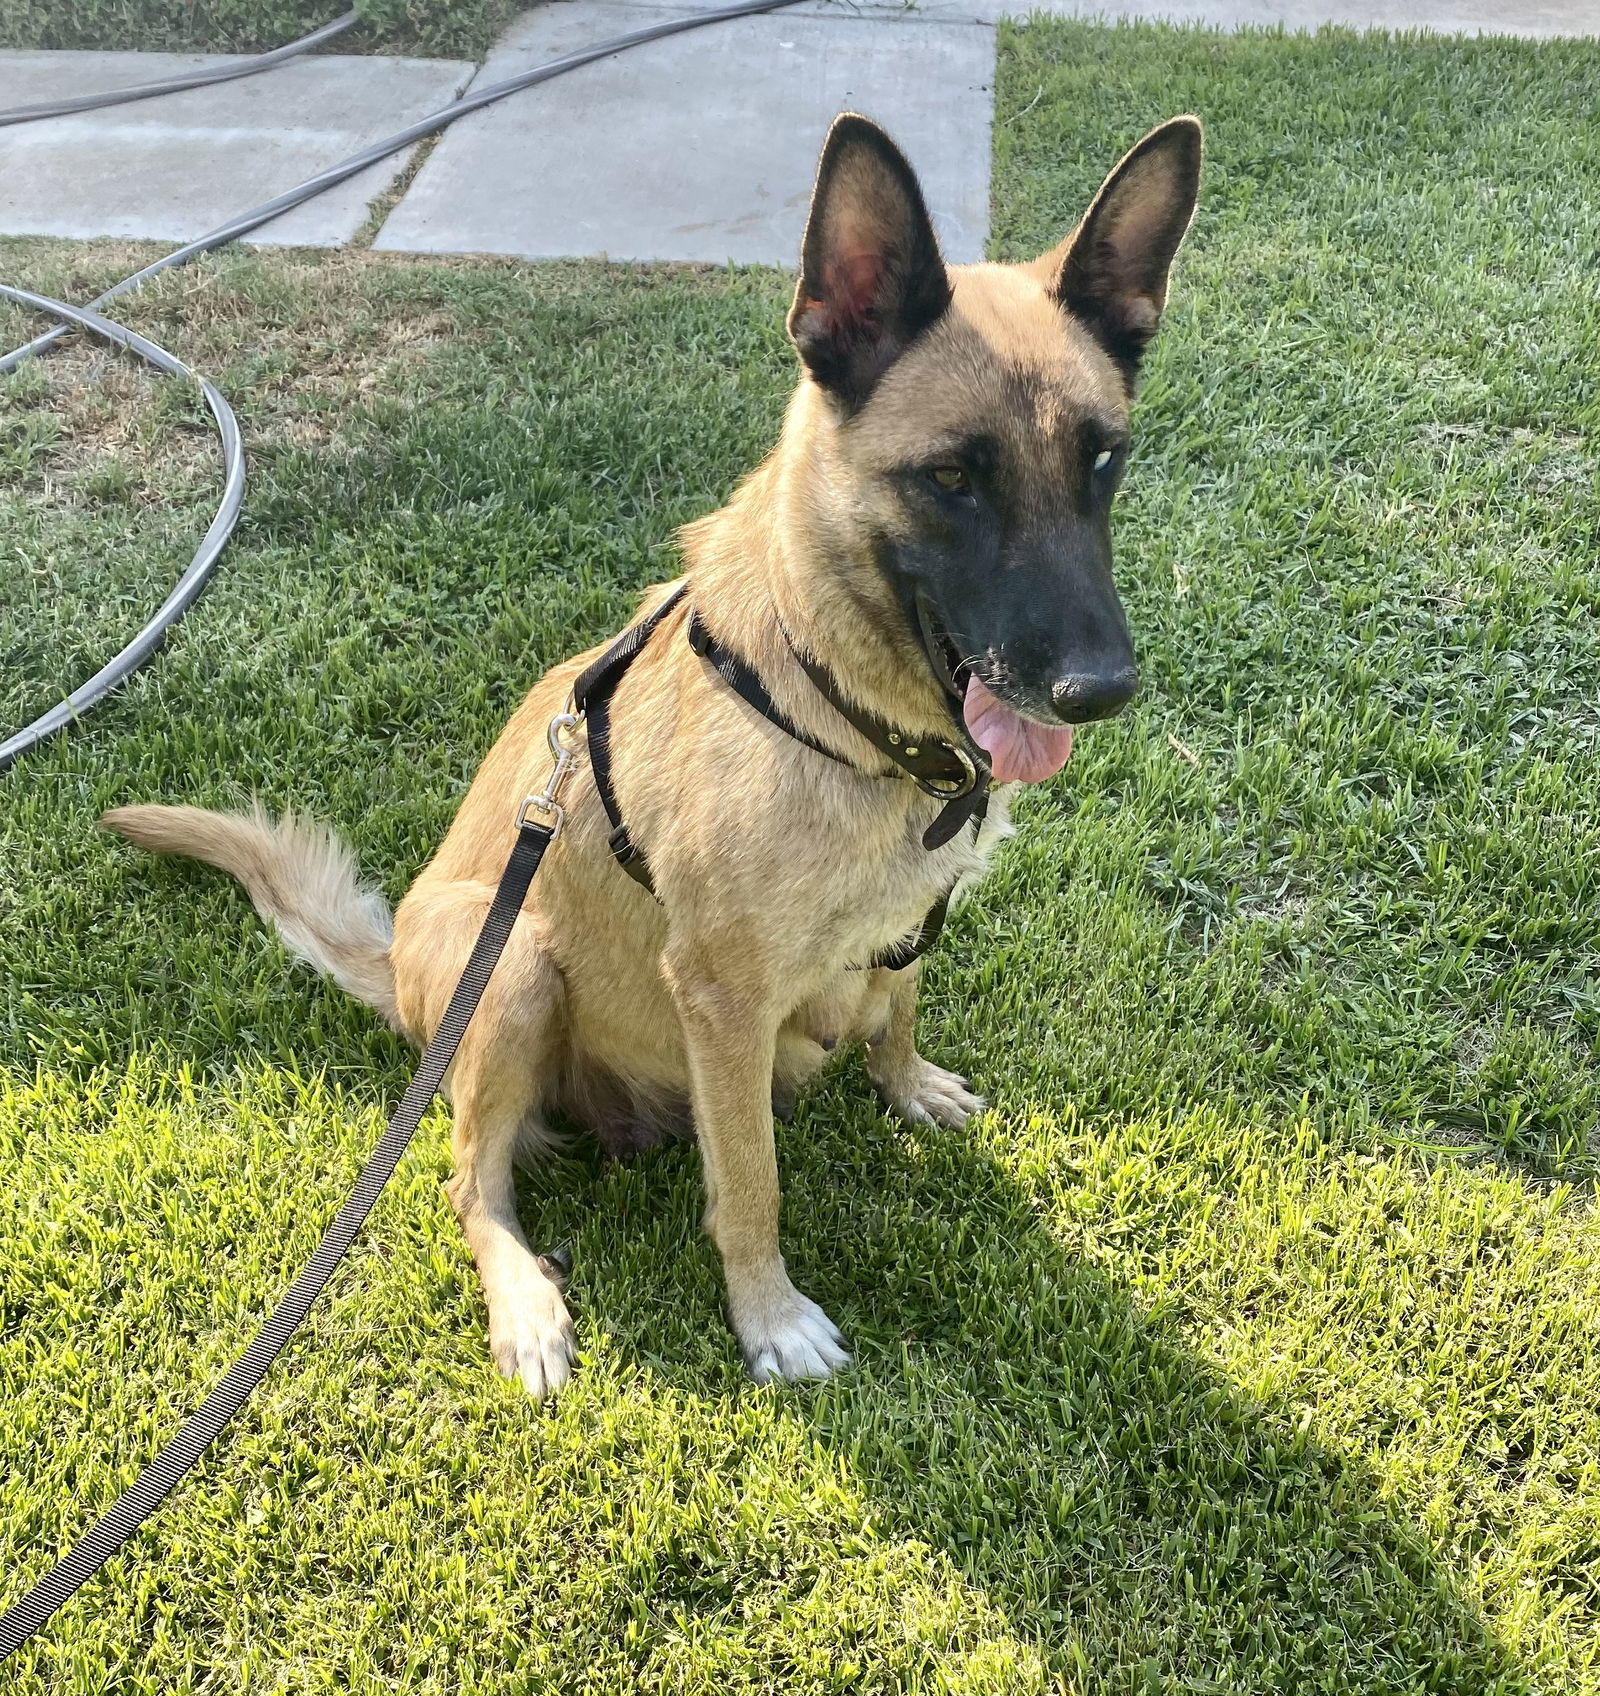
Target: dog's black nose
[1082,696]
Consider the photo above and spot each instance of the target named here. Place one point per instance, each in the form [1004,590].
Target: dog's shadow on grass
[1140,1522]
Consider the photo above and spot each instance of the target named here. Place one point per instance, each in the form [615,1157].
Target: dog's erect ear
[871,278]
[1111,272]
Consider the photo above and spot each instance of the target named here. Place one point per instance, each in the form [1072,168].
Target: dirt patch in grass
[297,351]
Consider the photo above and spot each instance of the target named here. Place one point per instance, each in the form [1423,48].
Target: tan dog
[931,533]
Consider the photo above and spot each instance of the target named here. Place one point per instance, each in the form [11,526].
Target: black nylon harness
[955,772]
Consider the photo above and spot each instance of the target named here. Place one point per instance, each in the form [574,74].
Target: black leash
[161,1477]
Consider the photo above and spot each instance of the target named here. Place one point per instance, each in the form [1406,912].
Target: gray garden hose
[239,67]
[193,580]
[188,587]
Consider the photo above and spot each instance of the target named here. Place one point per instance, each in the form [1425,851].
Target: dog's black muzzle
[1049,638]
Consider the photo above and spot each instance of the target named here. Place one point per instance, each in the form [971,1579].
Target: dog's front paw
[925,1094]
[530,1333]
[787,1336]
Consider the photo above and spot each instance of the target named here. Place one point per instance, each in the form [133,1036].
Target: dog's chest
[885,897]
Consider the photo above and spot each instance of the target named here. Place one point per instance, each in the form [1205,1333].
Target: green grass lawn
[1248,1344]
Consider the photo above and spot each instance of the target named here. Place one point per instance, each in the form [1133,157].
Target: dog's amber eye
[951,478]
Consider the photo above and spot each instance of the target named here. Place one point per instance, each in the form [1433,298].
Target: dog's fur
[780,873]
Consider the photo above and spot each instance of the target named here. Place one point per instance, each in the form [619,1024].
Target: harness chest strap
[956,773]
[949,771]
[591,695]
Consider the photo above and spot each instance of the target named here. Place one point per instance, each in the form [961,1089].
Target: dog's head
[980,416]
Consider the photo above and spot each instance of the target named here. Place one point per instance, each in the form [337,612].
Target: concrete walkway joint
[700,147]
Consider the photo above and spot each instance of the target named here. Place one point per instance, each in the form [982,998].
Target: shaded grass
[1248,1344]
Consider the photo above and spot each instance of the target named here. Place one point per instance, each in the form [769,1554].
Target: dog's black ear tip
[854,128]
[1184,134]
[853,133]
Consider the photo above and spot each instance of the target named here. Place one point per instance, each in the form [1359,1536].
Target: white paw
[925,1094]
[530,1333]
[789,1337]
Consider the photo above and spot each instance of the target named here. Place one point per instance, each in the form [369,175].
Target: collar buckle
[951,788]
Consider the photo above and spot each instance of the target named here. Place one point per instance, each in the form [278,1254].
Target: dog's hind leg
[914,1088]
[506,1066]
[731,1042]
[797,1060]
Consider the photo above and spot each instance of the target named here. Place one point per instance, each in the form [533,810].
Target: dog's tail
[302,879]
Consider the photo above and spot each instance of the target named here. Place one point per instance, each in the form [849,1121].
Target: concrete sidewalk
[174,167]
[702,146]
[697,147]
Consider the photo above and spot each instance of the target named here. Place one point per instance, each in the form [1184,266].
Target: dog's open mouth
[1020,750]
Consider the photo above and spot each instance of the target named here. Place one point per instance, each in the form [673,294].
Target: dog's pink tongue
[1019,750]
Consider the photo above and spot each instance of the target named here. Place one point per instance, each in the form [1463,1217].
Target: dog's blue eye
[1103,459]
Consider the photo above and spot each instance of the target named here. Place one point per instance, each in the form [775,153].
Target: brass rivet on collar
[894,737]
[911,753]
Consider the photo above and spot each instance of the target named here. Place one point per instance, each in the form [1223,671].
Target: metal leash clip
[545,802]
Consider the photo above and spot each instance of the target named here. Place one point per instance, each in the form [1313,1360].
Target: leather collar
[953,770]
